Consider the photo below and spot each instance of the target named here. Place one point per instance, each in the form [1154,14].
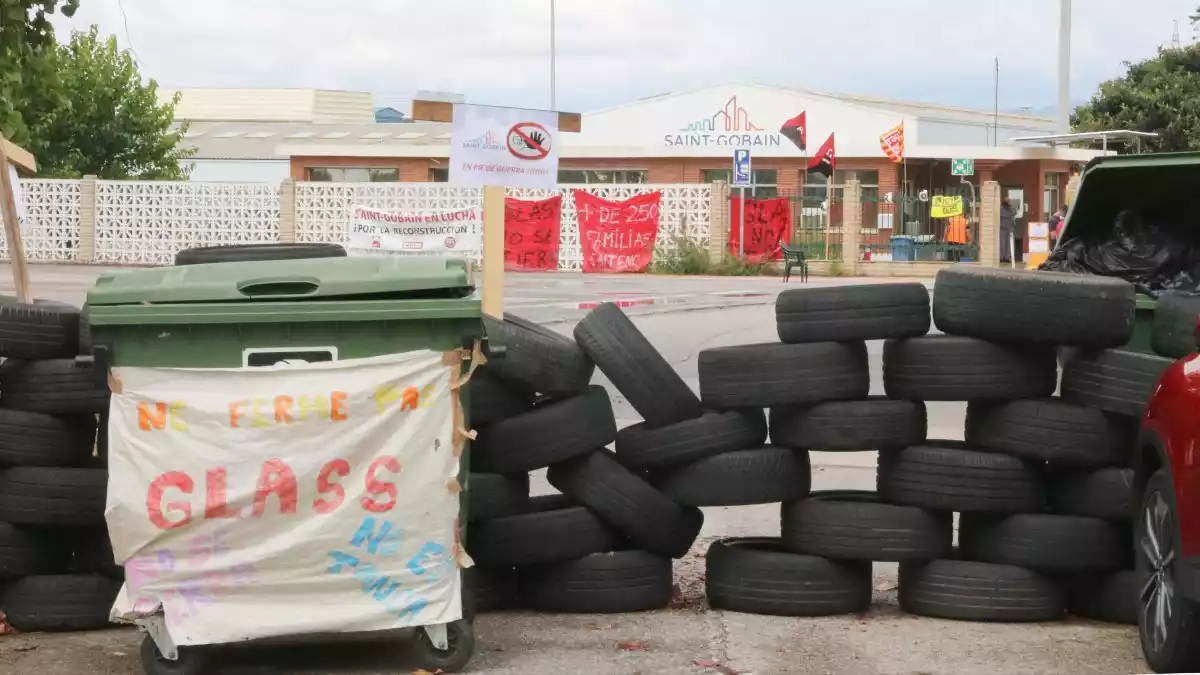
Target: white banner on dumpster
[286,500]
[448,232]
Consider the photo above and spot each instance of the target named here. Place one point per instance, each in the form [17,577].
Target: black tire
[553,432]
[54,386]
[94,553]
[1111,598]
[1053,308]
[36,439]
[763,375]
[613,582]
[1106,493]
[53,496]
[538,359]
[757,575]
[852,313]
[641,447]
[947,476]
[636,368]
[1174,331]
[489,400]
[975,591]
[856,525]
[460,647]
[190,661]
[493,495]
[766,475]
[59,602]
[1175,649]
[541,537]
[952,368]
[493,589]
[1045,542]
[1113,380]
[1050,430]
[202,255]
[876,423]
[28,552]
[45,329]
[628,503]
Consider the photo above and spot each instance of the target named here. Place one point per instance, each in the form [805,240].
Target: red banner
[768,222]
[617,236]
[531,234]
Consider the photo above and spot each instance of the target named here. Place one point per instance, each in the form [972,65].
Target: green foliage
[25,37]
[689,258]
[95,115]
[1160,95]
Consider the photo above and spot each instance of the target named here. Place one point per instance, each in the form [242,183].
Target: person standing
[1008,227]
[1057,221]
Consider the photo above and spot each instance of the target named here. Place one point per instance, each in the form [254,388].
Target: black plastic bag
[1152,255]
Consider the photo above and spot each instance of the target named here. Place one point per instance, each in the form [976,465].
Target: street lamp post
[553,57]
[1064,67]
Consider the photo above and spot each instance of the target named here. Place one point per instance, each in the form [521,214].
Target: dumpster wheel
[458,638]
[190,661]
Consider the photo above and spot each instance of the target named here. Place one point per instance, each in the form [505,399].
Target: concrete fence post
[87,221]
[989,224]
[852,211]
[287,211]
[718,223]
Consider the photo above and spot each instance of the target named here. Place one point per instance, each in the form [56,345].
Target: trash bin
[903,248]
[319,333]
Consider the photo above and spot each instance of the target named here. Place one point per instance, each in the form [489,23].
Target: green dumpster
[254,314]
[1160,184]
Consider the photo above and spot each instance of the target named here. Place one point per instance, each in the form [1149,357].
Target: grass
[689,258]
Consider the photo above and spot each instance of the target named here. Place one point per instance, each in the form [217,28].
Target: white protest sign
[286,500]
[458,232]
[504,146]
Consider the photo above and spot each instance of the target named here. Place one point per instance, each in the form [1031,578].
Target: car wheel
[1167,622]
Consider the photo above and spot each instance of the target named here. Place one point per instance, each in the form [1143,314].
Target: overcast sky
[614,51]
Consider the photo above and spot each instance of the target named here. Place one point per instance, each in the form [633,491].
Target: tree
[1160,95]
[105,121]
[25,35]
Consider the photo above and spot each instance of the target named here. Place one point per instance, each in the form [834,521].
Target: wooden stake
[12,221]
[493,251]
[828,213]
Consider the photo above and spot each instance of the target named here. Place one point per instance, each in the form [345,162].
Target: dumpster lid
[365,278]
[1154,184]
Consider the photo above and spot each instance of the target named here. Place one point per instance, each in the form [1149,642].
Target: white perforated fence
[147,222]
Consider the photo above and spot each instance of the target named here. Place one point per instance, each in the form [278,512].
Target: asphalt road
[687,315]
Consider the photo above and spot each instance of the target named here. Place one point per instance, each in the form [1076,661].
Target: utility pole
[996,104]
[553,58]
[1064,67]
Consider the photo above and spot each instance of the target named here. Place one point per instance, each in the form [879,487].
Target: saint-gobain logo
[451,242]
[375,243]
[487,141]
[727,126]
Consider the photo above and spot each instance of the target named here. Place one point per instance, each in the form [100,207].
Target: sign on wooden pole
[520,141]
[13,157]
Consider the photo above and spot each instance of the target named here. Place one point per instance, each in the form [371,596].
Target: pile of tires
[56,564]
[1042,484]
[605,543]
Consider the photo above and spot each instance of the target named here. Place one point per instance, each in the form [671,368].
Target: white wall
[239,170]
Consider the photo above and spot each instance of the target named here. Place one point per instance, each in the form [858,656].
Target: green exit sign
[962,167]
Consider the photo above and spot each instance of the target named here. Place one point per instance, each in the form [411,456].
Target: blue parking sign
[741,167]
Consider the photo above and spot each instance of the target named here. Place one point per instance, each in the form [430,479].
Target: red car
[1167,524]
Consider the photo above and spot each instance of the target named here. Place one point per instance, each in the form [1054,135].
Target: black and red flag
[796,130]
[825,159]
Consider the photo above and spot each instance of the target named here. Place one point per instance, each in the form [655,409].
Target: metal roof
[259,140]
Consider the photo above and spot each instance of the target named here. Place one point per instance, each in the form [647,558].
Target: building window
[1050,194]
[341,174]
[764,184]
[603,177]
[439,175]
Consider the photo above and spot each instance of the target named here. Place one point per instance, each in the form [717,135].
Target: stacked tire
[605,544]
[1042,484]
[56,564]
[815,384]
